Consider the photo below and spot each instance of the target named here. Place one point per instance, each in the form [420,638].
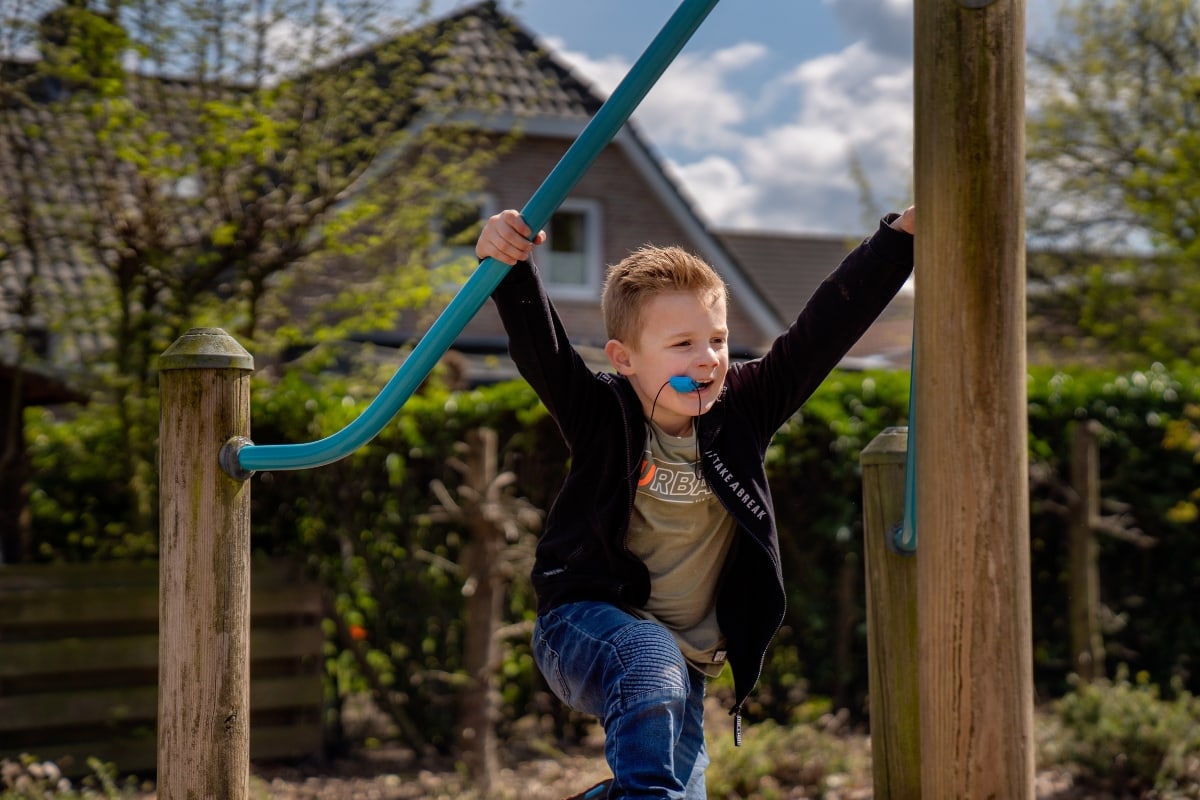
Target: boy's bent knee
[651,661]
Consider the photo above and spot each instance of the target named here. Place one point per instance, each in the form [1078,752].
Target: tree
[1114,165]
[273,168]
[499,527]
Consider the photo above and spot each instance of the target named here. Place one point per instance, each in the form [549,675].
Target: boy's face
[682,333]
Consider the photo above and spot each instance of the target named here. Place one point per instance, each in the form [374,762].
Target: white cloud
[795,173]
[692,105]
[777,151]
[778,154]
[720,186]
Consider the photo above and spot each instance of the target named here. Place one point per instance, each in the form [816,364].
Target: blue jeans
[629,672]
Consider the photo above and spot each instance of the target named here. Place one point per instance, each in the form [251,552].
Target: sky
[771,108]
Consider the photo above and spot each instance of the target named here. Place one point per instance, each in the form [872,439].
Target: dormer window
[570,261]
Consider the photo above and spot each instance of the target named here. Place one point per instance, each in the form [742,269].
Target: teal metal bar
[241,458]
[904,537]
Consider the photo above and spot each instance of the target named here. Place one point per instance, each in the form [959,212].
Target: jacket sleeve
[538,345]
[835,317]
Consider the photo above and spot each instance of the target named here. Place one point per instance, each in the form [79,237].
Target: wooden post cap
[205,348]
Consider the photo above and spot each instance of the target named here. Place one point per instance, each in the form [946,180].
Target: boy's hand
[505,238]
[907,221]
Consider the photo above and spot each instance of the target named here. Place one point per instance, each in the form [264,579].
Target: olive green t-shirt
[682,533]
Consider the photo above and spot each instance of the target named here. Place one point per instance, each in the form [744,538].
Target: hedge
[361,526]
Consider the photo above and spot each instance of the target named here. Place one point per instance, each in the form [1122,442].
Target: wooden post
[204,572]
[892,637]
[1087,642]
[972,502]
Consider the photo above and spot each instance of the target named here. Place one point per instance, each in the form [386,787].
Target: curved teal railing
[242,457]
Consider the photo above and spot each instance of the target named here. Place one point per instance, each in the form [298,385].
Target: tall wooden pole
[972,487]
[204,572]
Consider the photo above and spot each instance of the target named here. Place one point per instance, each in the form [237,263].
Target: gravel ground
[385,775]
[396,773]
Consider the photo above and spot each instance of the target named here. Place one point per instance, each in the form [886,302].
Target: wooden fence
[79,664]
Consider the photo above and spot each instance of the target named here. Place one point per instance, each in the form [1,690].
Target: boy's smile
[681,334]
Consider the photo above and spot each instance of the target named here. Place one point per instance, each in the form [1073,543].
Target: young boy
[659,559]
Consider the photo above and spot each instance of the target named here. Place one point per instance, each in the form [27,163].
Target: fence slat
[140,704]
[77,606]
[77,655]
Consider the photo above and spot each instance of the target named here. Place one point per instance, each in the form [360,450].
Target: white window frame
[593,256]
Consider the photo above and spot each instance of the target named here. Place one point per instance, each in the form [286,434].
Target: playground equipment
[972,605]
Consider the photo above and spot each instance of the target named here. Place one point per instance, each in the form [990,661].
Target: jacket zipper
[630,467]
[739,702]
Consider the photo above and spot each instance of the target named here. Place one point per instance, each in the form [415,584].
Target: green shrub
[774,759]
[1127,734]
[360,526]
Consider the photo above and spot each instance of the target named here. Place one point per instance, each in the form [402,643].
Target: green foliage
[777,758]
[83,47]
[1114,163]
[1183,434]
[816,485]
[84,502]
[1127,734]
[1137,469]
[274,185]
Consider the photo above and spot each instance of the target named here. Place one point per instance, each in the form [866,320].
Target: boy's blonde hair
[647,272]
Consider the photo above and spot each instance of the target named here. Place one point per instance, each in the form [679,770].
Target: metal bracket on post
[227,458]
[898,542]
[975,3]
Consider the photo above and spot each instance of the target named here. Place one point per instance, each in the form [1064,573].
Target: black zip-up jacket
[582,553]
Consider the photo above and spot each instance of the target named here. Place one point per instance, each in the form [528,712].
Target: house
[505,80]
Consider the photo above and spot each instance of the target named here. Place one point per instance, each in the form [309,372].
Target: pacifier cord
[695,387]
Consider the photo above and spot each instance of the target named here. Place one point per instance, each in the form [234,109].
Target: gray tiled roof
[495,60]
[50,281]
[41,282]
[788,268]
